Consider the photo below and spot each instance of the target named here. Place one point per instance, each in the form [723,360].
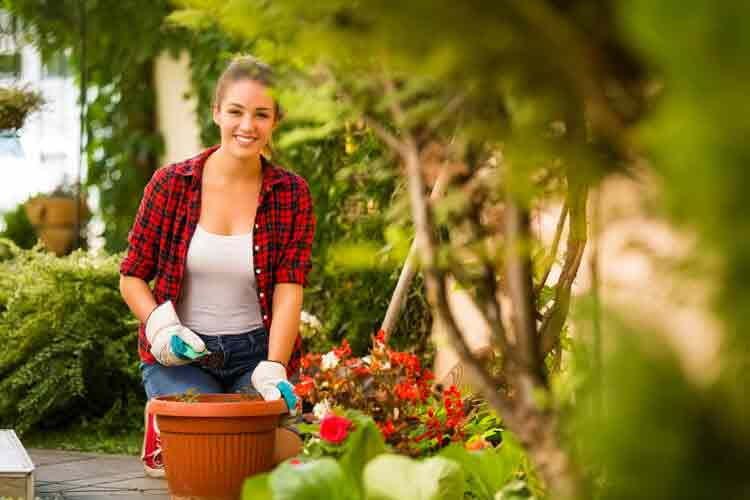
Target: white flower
[328,361]
[367,360]
[310,320]
[321,409]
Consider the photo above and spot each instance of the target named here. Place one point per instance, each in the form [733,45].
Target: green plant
[68,342]
[18,228]
[16,103]
[189,396]
[358,466]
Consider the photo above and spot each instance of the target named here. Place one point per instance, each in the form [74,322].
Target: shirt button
[265,317]
[256,226]
[257,247]
[262,295]
[257,271]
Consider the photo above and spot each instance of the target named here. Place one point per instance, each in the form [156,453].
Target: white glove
[161,325]
[266,378]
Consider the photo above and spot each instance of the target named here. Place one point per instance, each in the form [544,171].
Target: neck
[225,167]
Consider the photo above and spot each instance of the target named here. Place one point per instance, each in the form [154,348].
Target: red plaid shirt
[167,217]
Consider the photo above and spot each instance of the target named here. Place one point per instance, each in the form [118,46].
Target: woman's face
[246,118]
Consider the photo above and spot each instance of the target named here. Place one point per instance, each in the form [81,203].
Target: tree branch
[549,261]
[434,277]
[554,318]
[518,272]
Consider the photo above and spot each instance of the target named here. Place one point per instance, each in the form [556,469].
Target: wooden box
[16,468]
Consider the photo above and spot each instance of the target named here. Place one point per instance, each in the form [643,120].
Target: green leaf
[395,477]
[487,471]
[312,480]
[257,488]
[515,490]
[363,444]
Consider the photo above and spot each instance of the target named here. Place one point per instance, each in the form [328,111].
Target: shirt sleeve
[143,239]
[296,256]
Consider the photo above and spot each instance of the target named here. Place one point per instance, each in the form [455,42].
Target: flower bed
[415,416]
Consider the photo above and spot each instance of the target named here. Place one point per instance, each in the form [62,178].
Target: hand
[163,324]
[269,379]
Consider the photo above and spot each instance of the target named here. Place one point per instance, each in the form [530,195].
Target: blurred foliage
[352,193]
[18,228]
[68,343]
[123,146]
[649,431]
[697,137]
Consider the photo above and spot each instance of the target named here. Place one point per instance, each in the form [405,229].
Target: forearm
[137,296]
[287,306]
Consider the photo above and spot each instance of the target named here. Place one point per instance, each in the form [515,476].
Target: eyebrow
[243,107]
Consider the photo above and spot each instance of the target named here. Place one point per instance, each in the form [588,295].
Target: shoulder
[288,180]
[180,171]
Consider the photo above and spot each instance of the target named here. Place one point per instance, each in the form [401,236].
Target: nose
[246,123]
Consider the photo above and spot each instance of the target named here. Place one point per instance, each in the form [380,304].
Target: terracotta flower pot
[54,219]
[211,445]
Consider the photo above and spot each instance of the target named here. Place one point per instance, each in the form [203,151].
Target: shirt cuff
[290,276]
[140,268]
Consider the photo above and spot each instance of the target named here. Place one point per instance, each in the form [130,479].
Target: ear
[215,114]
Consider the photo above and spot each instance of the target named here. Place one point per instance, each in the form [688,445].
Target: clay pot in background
[54,220]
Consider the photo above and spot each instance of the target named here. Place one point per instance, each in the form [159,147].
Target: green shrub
[69,343]
[18,228]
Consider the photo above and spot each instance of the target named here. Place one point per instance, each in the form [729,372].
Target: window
[10,57]
[10,65]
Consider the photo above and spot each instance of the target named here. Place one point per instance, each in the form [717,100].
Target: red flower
[304,386]
[406,390]
[309,360]
[343,351]
[334,429]
[380,337]
[387,428]
[409,361]
[361,371]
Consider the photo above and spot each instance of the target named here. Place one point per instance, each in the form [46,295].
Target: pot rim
[216,405]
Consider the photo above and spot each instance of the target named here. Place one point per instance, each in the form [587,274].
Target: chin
[242,153]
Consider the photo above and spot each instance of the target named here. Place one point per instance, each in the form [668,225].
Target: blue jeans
[242,353]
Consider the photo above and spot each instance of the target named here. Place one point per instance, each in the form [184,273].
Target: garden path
[67,475]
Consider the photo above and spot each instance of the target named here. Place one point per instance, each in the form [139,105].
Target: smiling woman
[238,226]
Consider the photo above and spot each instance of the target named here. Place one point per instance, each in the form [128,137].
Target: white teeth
[244,140]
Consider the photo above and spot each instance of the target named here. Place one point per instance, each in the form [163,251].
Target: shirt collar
[194,167]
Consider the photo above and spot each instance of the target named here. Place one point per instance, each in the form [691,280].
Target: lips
[245,140]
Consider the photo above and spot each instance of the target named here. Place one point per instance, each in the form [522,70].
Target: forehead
[247,93]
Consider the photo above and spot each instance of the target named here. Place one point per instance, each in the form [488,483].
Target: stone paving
[67,475]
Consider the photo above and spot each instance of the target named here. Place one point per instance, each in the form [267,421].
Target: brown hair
[247,68]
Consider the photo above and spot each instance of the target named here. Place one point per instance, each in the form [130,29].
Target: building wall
[176,116]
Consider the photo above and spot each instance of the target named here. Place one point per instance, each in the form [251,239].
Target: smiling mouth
[245,141]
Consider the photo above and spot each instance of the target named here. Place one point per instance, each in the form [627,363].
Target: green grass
[83,438]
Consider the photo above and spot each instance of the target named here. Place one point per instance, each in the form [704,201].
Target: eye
[234,111]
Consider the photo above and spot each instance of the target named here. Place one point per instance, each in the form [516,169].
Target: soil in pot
[213,442]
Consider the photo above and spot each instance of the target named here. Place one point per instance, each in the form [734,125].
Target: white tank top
[219,294]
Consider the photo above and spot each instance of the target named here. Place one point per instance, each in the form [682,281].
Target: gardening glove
[269,379]
[169,339]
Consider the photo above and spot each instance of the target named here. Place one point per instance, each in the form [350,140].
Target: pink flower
[334,429]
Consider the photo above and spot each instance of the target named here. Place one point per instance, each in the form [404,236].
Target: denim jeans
[242,353]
